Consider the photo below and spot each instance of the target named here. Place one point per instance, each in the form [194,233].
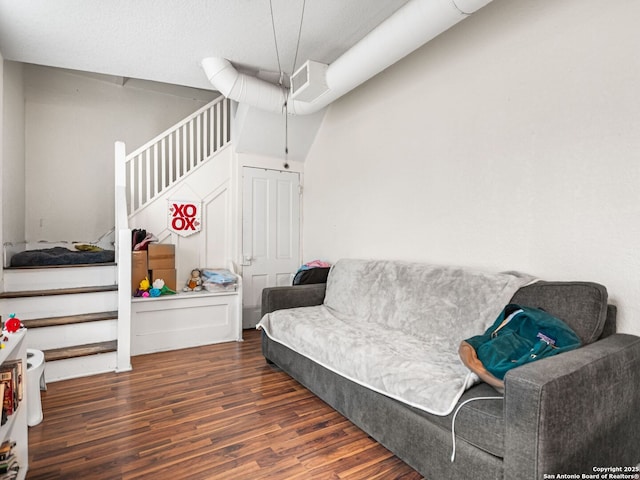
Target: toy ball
[145,294]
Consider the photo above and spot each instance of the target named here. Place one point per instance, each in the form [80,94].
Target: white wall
[72,121]
[509,142]
[1,158]
[261,133]
[13,177]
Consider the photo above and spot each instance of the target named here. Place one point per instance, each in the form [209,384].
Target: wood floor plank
[213,412]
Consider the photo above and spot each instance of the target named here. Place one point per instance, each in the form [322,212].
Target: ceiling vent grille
[309,81]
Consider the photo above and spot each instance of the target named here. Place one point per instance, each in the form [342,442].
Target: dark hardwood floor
[214,412]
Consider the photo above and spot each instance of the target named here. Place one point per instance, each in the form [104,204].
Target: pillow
[581,305]
[85,247]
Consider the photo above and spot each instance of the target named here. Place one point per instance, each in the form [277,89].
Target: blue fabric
[521,335]
[221,276]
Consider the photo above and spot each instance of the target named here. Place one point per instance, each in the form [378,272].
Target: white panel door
[270,235]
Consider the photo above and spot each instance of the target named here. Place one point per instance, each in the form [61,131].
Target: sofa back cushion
[582,305]
[420,300]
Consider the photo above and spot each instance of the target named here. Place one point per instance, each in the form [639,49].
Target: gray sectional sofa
[570,414]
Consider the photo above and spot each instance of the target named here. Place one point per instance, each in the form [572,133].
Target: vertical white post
[185,152]
[225,136]
[198,141]
[205,135]
[139,181]
[132,184]
[178,156]
[192,159]
[163,162]
[123,362]
[212,122]
[155,170]
[172,171]
[219,126]
[120,182]
[147,176]
[123,258]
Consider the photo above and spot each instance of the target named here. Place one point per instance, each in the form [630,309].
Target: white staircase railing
[147,172]
[162,161]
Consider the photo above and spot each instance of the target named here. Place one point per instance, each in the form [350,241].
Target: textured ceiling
[164,40]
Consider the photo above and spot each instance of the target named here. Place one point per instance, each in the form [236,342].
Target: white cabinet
[185,320]
[15,429]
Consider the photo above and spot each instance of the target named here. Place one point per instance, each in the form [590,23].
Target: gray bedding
[60,256]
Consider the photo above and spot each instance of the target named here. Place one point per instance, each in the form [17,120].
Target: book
[4,413]
[12,378]
[7,399]
[20,379]
[5,449]
[9,464]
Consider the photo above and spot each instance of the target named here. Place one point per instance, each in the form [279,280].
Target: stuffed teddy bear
[194,283]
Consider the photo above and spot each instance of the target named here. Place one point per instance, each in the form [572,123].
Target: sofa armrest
[279,298]
[576,411]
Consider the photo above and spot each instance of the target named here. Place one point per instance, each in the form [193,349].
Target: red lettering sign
[184,218]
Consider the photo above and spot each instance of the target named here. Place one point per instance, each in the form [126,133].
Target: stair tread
[80,350]
[69,319]
[59,291]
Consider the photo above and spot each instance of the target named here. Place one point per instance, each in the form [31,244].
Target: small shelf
[10,346]
[15,428]
[184,295]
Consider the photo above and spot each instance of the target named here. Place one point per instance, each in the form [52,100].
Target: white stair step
[64,336]
[18,279]
[28,305]
[80,366]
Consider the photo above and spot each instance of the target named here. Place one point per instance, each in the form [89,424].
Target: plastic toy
[143,288]
[158,288]
[13,324]
[161,287]
[195,282]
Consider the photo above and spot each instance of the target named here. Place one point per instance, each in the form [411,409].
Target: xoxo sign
[184,218]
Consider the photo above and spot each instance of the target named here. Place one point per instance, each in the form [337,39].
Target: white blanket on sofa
[395,327]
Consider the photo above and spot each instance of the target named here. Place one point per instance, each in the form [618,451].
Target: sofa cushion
[479,422]
[581,305]
[418,299]
[417,372]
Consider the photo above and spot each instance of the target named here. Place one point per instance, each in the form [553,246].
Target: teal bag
[522,335]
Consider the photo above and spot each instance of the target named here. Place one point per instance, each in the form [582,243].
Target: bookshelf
[15,429]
